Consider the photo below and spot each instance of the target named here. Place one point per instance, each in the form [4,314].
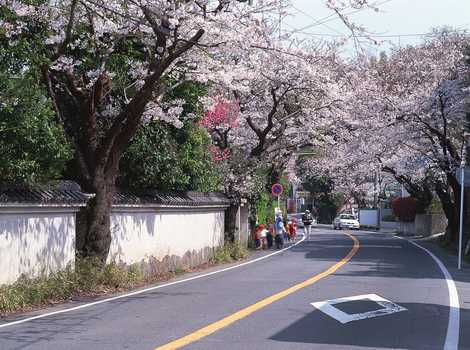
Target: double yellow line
[226,321]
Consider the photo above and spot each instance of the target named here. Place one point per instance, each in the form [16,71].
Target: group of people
[276,233]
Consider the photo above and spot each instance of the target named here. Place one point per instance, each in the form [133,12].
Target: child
[279,231]
[256,237]
[270,234]
[263,236]
[287,231]
[292,229]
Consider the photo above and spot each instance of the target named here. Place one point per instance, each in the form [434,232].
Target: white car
[346,221]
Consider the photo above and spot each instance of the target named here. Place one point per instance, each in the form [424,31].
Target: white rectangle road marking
[328,308]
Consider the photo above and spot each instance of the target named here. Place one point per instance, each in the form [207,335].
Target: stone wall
[430,224]
[424,225]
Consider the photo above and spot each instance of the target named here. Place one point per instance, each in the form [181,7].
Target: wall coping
[72,197]
[152,208]
[15,208]
[23,208]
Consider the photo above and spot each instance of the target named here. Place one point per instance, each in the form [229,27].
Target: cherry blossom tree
[405,116]
[108,66]
[281,99]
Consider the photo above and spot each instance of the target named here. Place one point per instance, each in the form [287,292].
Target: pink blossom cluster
[223,115]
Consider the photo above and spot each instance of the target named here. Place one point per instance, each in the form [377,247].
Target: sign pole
[462,187]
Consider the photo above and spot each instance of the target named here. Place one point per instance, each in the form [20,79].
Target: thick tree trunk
[231,222]
[98,231]
[94,231]
[451,212]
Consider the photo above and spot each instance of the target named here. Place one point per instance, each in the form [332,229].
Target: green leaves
[166,158]
[33,146]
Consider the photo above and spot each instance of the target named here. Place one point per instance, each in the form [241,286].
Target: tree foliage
[327,202]
[33,145]
[167,158]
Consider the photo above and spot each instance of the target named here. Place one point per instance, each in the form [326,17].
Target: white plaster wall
[33,243]
[137,236]
[368,217]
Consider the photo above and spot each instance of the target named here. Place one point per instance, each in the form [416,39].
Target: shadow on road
[378,256]
[422,326]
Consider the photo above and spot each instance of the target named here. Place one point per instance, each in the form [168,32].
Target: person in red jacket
[292,227]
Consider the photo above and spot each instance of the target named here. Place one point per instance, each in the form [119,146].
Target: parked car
[346,221]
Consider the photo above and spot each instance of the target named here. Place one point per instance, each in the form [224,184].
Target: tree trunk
[231,222]
[93,221]
[98,233]
[451,212]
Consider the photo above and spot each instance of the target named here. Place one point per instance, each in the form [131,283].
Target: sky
[395,17]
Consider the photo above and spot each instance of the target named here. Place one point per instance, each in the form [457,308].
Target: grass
[228,253]
[90,279]
[87,278]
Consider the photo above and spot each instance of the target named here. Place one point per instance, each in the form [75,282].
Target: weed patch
[228,253]
[88,277]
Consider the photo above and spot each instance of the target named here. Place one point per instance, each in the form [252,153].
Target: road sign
[277,190]
[458,175]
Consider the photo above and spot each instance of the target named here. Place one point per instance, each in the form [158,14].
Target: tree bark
[94,232]
[450,211]
[231,222]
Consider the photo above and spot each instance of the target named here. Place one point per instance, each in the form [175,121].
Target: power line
[328,18]
[375,35]
[316,20]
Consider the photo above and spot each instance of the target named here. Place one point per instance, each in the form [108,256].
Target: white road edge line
[453,327]
[122,296]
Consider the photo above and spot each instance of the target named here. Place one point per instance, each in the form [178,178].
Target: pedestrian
[279,231]
[292,229]
[270,234]
[263,236]
[307,219]
[287,231]
[256,237]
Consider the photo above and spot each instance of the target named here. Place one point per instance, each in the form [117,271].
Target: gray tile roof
[41,196]
[65,193]
[172,198]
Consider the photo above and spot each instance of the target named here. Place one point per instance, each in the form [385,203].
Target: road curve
[385,266]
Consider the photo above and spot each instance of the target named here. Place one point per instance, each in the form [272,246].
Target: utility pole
[462,197]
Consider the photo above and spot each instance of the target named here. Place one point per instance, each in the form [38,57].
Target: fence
[162,231]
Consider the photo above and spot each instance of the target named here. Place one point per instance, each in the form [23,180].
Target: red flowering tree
[219,122]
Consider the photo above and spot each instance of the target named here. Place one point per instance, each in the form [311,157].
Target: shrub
[229,252]
[87,277]
[405,208]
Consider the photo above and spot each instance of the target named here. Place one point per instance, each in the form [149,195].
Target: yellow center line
[214,327]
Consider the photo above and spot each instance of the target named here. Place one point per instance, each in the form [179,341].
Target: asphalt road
[391,268]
